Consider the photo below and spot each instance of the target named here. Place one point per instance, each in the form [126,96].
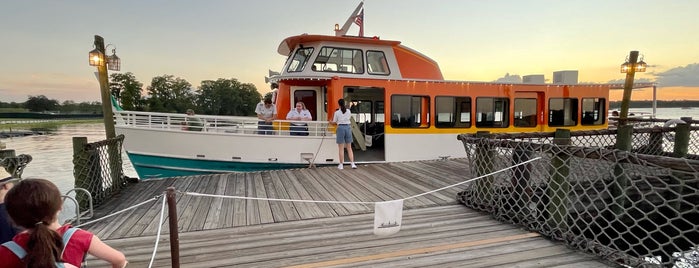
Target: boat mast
[343,31]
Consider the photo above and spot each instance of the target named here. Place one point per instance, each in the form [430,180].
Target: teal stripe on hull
[149,167]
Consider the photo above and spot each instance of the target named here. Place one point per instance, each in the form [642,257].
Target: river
[53,153]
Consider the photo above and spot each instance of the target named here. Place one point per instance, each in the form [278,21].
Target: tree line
[172,94]
[165,93]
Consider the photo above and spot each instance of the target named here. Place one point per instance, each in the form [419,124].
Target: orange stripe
[416,251]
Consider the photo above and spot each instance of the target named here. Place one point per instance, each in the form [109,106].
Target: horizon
[501,40]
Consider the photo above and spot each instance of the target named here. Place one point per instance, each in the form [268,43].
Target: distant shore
[19,128]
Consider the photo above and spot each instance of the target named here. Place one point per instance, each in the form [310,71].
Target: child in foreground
[34,204]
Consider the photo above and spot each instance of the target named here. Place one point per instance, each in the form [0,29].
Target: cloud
[687,76]
[623,80]
[515,78]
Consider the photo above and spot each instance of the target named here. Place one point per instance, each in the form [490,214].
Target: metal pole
[655,100]
[628,86]
[104,90]
[172,219]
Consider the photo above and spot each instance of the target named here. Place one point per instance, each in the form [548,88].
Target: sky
[44,44]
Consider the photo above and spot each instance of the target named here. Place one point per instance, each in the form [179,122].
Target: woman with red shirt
[34,204]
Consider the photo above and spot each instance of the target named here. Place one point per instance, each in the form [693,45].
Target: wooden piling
[559,187]
[172,219]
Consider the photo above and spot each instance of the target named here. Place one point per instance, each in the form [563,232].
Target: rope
[157,237]
[357,202]
[277,199]
[312,163]
[120,211]
[476,178]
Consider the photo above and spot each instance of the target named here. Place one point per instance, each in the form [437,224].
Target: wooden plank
[227,205]
[305,210]
[315,209]
[277,210]
[216,210]
[315,191]
[203,204]
[289,209]
[239,205]
[263,205]
[252,208]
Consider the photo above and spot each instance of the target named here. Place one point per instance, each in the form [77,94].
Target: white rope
[120,211]
[476,178]
[313,161]
[357,202]
[278,199]
[157,237]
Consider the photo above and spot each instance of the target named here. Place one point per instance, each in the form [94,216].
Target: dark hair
[341,102]
[34,205]
[268,100]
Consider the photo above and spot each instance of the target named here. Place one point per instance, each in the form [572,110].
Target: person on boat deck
[192,123]
[266,112]
[7,229]
[343,135]
[299,114]
[35,204]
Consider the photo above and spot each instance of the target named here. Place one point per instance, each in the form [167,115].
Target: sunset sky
[45,43]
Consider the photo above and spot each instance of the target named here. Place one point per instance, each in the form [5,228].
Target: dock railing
[636,206]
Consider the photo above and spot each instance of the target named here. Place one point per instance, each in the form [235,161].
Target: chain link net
[98,169]
[636,207]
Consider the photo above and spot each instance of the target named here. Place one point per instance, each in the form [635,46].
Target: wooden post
[484,165]
[172,218]
[80,161]
[520,181]
[623,137]
[104,90]
[559,187]
[628,86]
[682,136]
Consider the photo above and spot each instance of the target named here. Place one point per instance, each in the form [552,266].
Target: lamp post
[630,67]
[97,58]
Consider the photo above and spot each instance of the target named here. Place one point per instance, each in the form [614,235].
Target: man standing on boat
[266,112]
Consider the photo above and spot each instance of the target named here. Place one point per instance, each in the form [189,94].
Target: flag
[359,20]
[388,217]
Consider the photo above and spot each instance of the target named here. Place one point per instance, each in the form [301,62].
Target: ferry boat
[403,110]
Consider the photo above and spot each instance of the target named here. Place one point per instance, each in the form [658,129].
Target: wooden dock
[437,231]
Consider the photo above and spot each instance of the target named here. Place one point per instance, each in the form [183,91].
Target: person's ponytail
[341,102]
[44,247]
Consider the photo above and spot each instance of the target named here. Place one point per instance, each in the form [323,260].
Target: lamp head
[96,57]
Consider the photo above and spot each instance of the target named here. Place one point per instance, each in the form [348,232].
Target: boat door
[528,111]
[313,98]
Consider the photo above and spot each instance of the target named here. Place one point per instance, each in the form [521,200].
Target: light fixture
[640,66]
[113,62]
[626,66]
[96,57]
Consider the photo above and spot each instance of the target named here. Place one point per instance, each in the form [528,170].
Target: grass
[44,125]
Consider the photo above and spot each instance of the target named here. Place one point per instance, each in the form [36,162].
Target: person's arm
[104,252]
[307,116]
[289,116]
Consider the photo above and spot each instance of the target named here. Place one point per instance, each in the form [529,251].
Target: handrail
[78,215]
[216,124]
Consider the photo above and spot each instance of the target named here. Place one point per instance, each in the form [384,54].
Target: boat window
[525,112]
[592,111]
[453,112]
[376,63]
[492,112]
[339,60]
[298,62]
[410,111]
[563,112]
[379,117]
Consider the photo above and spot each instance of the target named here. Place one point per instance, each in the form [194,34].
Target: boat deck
[223,232]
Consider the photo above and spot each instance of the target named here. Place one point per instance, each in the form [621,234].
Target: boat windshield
[299,60]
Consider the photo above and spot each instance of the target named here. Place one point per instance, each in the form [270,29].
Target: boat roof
[288,44]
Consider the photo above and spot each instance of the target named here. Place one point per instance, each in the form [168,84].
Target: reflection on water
[53,155]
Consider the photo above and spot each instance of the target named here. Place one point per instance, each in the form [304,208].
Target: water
[52,156]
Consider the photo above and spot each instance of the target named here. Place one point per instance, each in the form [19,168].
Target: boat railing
[220,124]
